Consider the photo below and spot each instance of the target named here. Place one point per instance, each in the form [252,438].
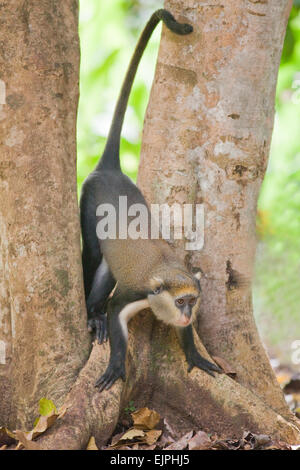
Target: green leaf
[46,407]
[36,421]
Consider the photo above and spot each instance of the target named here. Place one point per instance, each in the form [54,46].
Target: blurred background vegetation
[108,33]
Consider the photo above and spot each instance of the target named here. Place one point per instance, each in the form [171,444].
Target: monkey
[144,272]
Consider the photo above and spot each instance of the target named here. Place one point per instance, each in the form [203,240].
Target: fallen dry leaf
[28,444]
[277,445]
[116,438]
[250,441]
[200,441]
[44,423]
[293,386]
[297,412]
[165,440]
[132,434]
[62,411]
[122,439]
[228,444]
[256,440]
[92,444]
[227,368]
[137,437]
[145,447]
[182,443]
[283,378]
[145,418]
[152,436]
[6,436]
[122,448]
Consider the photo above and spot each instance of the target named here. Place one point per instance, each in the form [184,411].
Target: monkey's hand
[196,360]
[98,323]
[113,372]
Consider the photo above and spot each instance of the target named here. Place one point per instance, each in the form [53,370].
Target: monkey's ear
[155,282]
[198,275]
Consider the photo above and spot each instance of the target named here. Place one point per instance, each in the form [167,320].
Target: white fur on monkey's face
[165,297]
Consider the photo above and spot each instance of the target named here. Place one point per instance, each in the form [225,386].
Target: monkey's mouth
[185,321]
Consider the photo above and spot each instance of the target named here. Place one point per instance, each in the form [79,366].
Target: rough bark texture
[43,334]
[206,139]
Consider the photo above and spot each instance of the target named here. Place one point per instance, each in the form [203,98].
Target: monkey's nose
[185,320]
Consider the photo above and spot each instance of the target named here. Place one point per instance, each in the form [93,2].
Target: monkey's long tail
[110,158]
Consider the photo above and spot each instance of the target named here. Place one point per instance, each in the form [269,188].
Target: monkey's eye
[157,290]
[193,301]
[179,302]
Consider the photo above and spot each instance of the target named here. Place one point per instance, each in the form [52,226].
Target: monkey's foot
[99,325]
[198,361]
[112,373]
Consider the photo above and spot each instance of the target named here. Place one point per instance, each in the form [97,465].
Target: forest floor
[145,429]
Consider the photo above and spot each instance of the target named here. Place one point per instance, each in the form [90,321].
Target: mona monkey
[146,272]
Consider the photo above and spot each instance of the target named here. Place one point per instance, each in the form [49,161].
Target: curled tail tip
[172,24]
[185,28]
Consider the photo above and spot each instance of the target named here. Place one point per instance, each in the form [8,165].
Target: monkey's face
[175,300]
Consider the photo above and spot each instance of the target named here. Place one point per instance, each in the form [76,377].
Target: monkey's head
[175,296]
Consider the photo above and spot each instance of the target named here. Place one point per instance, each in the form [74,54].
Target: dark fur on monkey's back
[147,272]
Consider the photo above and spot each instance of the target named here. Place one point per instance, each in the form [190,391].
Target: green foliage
[130,408]
[277,294]
[108,33]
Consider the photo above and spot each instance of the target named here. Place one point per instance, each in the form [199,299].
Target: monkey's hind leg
[194,359]
[122,307]
[103,284]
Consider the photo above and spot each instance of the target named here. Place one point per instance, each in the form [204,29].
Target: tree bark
[44,341]
[206,140]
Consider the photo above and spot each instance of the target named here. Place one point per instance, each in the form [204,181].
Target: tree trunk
[43,337]
[206,140]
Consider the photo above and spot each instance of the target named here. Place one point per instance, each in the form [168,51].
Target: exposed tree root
[234,337]
[89,413]
[219,405]
[187,401]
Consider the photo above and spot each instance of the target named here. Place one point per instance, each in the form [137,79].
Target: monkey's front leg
[194,359]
